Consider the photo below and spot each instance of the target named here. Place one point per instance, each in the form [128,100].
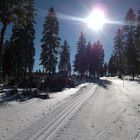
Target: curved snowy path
[47,126]
[103,111]
[112,113]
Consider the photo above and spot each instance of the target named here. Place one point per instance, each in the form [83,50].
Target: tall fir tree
[29,33]
[138,40]
[7,62]
[80,61]
[50,42]
[88,59]
[64,64]
[97,59]
[112,66]
[130,31]
[119,51]
[11,11]
[22,46]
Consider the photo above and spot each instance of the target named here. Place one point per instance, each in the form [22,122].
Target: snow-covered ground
[112,113]
[107,111]
[16,116]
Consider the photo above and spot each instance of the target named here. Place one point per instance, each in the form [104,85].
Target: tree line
[17,53]
[125,59]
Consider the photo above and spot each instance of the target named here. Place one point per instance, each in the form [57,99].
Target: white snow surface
[109,110]
[15,117]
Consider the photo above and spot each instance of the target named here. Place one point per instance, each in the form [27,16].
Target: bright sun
[96,19]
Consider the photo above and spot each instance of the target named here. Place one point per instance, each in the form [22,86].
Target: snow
[109,110]
[111,114]
[16,116]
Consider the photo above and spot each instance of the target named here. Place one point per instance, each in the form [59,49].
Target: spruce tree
[112,66]
[64,64]
[98,59]
[29,32]
[130,42]
[88,59]
[119,50]
[11,11]
[105,69]
[138,40]
[7,61]
[80,62]
[50,42]
[22,46]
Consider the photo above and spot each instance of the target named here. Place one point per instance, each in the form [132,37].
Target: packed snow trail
[53,120]
[112,113]
[107,111]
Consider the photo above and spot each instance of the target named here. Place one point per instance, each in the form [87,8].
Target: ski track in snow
[32,119]
[107,111]
[111,114]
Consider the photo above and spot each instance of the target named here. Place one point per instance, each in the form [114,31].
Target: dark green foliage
[11,11]
[20,53]
[105,69]
[64,64]
[50,43]
[80,62]
[112,66]
[126,55]
[119,51]
[130,42]
[57,82]
[97,59]
[138,41]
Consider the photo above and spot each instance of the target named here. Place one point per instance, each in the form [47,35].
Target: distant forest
[17,53]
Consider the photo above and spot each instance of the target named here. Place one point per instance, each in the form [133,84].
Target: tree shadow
[102,82]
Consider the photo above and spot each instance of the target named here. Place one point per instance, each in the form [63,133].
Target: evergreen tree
[64,64]
[130,42]
[50,42]
[105,69]
[112,66]
[29,33]
[98,59]
[119,51]
[7,61]
[80,62]
[10,11]
[138,40]
[88,59]
[22,47]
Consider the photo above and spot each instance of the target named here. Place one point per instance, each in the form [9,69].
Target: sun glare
[96,19]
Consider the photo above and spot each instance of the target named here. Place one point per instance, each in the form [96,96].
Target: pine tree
[98,59]
[50,42]
[64,64]
[112,66]
[119,51]
[105,69]
[7,61]
[29,32]
[11,11]
[80,62]
[22,47]
[130,42]
[138,40]
[88,59]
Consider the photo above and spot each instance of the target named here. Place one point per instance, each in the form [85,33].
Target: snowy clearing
[112,113]
[109,110]
[17,117]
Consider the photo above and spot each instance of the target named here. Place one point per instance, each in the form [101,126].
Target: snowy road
[107,111]
[112,113]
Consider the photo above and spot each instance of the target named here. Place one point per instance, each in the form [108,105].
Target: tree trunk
[2,33]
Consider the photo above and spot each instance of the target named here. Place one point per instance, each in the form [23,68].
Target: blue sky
[70,30]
